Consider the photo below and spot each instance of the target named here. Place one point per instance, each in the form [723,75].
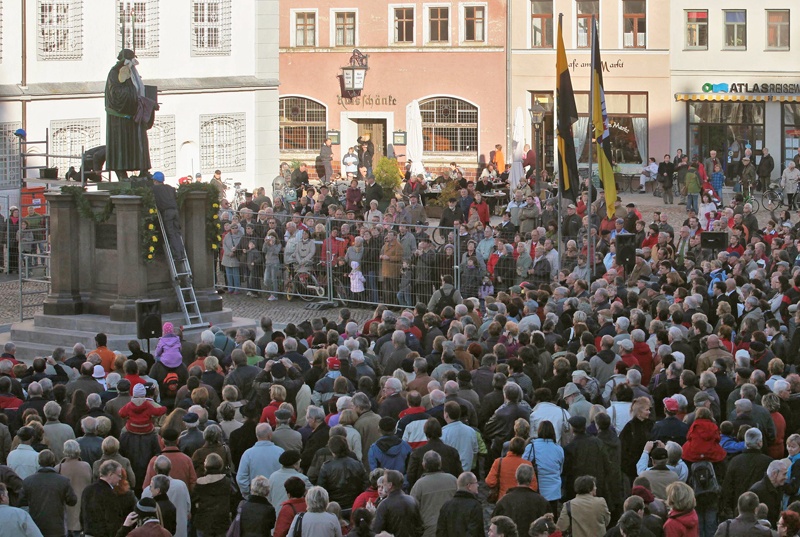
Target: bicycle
[747,193]
[772,198]
[302,282]
[238,193]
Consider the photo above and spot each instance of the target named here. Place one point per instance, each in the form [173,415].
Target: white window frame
[162,155]
[725,46]
[238,160]
[10,165]
[575,25]
[686,45]
[293,35]
[426,24]
[333,13]
[302,124]
[224,24]
[767,46]
[91,128]
[390,18]
[462,23]
[529,27]
[73,27]
[151,28]
[622,26]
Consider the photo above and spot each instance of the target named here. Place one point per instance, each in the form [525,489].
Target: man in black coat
[100,512]
[159,487]
[167,204]
[451,213]
[47,495]
[500,427]
[463,514]
[372,190]
[320,432]
[770,489]
[451,461]
[744,470]
[522,504]
[765,167]
[398,514]
[584,455]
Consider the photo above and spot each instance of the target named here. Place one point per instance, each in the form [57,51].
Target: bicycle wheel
[754,202]
[439,236]
[772,200]
[306,286]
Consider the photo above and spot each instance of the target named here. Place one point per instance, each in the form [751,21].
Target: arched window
[302,124]
[449,126]
[70,137]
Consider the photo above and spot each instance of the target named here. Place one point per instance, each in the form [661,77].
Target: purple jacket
[169,350]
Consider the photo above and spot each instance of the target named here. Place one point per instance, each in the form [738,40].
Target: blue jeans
[737,186]
[232,275]
[404,298]
[372,286]
[272,278]
[707,522]
[693,202]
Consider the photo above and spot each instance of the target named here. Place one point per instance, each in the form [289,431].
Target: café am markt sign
[742,87]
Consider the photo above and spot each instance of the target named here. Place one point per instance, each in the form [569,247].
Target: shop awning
[721,97]
[785,98]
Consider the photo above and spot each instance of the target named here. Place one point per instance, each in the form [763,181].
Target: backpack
[171,384]
[445,300]
[703,480]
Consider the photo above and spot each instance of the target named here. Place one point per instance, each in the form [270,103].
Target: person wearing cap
[659,475]
[144,521]
[577,403]
[181,465]
[670,428]
[571,224]
[166,202]
[191,439]
[23,460]
[290,467]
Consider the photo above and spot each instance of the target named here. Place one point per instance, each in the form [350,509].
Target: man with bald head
[604,362]
[261,459]
[715,351]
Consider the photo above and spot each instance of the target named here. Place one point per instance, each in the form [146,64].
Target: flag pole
[560,179]
[590,246]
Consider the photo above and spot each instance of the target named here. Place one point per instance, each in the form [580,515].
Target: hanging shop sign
[744,87]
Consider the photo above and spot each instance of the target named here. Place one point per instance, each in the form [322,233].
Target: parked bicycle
[302,282]
[772,198]
[747,194]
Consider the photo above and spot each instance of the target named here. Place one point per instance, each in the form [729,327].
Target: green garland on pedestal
[213,227]
[149,237]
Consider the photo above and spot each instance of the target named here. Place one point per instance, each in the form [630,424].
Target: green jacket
[749,174]
[693,185]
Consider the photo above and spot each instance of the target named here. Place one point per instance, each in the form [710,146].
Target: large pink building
[448,55]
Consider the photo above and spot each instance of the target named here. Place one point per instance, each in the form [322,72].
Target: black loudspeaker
[714,240]
[148,319]
[626,251]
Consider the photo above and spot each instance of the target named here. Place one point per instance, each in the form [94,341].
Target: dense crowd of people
[648,393]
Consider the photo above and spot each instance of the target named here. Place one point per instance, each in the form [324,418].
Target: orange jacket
[507,472]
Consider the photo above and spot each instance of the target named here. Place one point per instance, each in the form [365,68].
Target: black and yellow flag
[567,114]
[600,126]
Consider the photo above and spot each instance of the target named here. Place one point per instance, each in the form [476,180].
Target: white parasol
[517,144]
[414,142]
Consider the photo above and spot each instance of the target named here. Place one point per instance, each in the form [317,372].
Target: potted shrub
[388,175]
[435,205]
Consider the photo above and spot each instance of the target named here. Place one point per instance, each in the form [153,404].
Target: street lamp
[537,113]
[353,75]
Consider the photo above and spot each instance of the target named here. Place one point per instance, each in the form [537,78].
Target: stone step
[100,323]
[32,340]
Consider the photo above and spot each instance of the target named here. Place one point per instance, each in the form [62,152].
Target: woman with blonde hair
[347,419]
[682,519]
[591,427]
[251,351]
[635,435]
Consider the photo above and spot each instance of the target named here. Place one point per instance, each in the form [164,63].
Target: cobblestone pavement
[283,312]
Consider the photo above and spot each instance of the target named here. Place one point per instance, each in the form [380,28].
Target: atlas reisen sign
[742,87]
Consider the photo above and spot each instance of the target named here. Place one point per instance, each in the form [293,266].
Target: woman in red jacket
[296,489]
[702,441]
[482,207]
[682,519]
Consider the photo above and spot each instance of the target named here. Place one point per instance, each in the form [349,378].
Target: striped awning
[737,97]
[721,97]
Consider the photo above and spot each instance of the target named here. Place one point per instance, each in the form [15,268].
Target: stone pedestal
[131,272]
[65,296]
[200,259]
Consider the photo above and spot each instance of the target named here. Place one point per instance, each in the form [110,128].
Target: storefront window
[729,128]
[449,126]
[791,131]
[627,116]
[302,124]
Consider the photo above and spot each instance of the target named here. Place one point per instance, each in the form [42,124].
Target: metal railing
[340,261]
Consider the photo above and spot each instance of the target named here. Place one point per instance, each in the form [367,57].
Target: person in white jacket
[545,410]
[789,181]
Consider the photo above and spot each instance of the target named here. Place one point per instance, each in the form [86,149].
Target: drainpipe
[508,81]
[24,81]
